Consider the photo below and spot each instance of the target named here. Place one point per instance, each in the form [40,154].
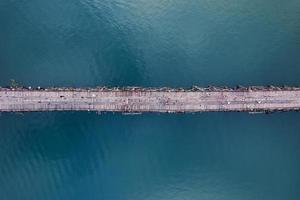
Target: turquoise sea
[173,43]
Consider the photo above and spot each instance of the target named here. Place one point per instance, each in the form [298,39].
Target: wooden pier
[138,100]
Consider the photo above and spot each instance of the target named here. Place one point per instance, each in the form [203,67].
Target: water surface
[150,43]
[111,156]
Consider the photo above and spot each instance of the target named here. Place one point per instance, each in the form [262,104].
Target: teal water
[173,43]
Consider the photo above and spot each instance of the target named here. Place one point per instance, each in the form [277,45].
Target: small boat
[257,112]
[131,113]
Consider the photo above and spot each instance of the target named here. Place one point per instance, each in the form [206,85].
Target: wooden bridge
[137,100]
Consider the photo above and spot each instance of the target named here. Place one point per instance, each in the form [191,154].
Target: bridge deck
[149,100]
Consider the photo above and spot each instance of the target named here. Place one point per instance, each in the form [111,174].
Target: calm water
[149,43]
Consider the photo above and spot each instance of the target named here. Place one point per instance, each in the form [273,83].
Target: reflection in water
[213,156]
